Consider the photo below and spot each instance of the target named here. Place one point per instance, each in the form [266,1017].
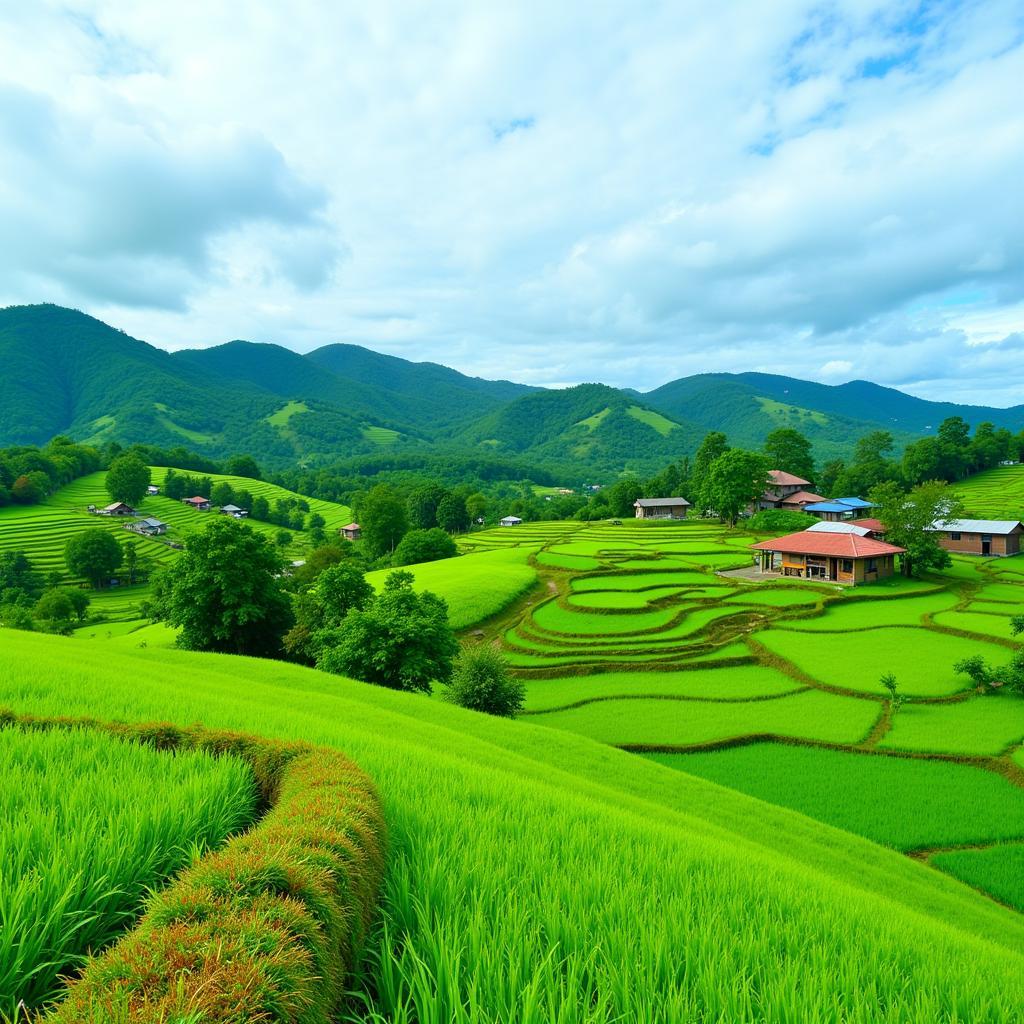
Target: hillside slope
[537,876]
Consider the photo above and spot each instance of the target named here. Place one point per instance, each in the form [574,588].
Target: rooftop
[1002,526]
[801,496]
[860,531]
[874,525]
[659,502]
[778,478]
[836,545]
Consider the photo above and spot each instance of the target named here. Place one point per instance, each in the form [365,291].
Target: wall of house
[970,544]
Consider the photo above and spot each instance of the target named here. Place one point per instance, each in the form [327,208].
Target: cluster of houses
[151,527]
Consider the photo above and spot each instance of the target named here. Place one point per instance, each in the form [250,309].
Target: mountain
[589,425]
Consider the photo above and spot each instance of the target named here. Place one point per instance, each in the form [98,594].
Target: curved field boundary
[264,929]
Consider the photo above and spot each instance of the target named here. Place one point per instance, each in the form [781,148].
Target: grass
[280,418]
[476,586]
[652,419]
[984,619]
[922,660]
[594,421]
[981,725]
[994,494]
[901,803]
[506,896]
[865,614]
[551,617]
[809,714]
[383,437]
[556,560]
[999,870]
[622,600]
[87,824]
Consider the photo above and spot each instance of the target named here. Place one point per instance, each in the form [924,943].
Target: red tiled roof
[351,526]
[197,498]
[874,525]
[837,545]
[801,498]
[781,479]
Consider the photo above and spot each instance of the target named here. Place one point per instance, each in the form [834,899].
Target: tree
[1008,678]
[954,441]
[127,479]
[922,460]
[422,505]
[714,445]
[260,509]
[424,546]
[17,574]
[283,538]
[79,601]
[829,476]
[222,494]
[735,480]
[870,466]
[908,518]
[225,592]
[30,488]
[476,507]
[244,465]
[323,607]
[382,519]
[401,639]
[896,698]
[131,559]
[481,681]
[452,515]
[623,494]
[315,521]
[93,554]
[56,608]
[320,558]
[787,449]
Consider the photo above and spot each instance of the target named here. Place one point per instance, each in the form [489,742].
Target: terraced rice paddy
[87,824]
[645,645]
[995,494]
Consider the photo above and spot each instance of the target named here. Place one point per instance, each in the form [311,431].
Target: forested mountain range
[64,372]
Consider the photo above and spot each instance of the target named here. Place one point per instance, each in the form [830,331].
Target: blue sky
[546,192]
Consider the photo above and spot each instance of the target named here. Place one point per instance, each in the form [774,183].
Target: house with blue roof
[837,509]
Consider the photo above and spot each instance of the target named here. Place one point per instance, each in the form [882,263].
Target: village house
[828,556]
[875,526]
[152,490]
[199,503]
[234,511]
[117,508]
[786,491]
[661,508]
[988,537]
[351,532]
[511,521]
[827,526]
[148,527]
[837,509]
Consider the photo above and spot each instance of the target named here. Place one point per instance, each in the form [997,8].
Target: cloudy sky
[549,192]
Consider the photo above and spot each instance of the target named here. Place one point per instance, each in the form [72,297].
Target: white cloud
[542,192]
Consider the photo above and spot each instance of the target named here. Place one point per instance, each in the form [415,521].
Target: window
[872,565]
[846,565]
[987,537]
[954,536]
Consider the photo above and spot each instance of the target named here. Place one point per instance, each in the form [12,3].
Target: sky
[545,192]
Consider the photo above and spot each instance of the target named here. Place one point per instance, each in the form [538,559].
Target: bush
[424,546]
[780,520]
[482,681]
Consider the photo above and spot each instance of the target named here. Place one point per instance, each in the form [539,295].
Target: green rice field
[87,824]
[994,494]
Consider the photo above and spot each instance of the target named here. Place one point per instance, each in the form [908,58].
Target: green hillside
[994,494]
[534,875]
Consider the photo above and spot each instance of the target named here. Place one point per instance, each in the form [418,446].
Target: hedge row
[267,927]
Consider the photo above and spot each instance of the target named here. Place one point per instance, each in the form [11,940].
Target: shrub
[780,520]
[424,546]
[481,681]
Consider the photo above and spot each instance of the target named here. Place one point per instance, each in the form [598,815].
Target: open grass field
[535,876]
[87,824]
[998,870]
[995,494]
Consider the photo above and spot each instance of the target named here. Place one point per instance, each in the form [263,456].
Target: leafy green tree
[954,441]
[222,494]
[714,445]
[922,460]
[482,681]
[127,479]
[315,521]
[1007,678]
[55,608]
[829,477]
[283,538]
[320,558]
[452,515]
[908,518]
[93,554]
[131,559]
[260,509]
[870,466]
[17,574]
[30,488]
[401,639]
[735,480]
[622,495]
[225,592]
[244,465]
[424,546]
[789,450]
[383,520]
[79,601]
[422,505]
[896,698]
[476,506]
[323,607]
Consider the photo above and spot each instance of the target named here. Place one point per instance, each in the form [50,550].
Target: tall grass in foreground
[87,824]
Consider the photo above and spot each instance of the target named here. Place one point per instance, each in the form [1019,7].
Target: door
[986,545]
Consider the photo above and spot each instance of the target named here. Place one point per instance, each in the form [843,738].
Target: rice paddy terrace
[637,640]
[994,494]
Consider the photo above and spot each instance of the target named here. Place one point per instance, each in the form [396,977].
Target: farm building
[827,526]
[117,508]
[786,491]
[351,532]
[876,526]
[661,508]
[149,527]
[837,509]
[199,503]
[997,537]
[234,511]
[828,556]
[152,490]
[511,521]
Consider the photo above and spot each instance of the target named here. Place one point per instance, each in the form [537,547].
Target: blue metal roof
[827,506]
[854,502]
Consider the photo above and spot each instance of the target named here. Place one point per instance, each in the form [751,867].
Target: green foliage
[998,870]
[452,514]
[401,639]
[481,681]
[735,480]
[88,823]
[780,520]
[789,450]
[225,592]
[243,465]
[127,479]
[908,518]
[56,608]
[338,587]
[891,686]
[383,520]
[424,546]
[93,554]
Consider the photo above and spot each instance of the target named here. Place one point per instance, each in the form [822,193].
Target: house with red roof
[787,491]
[199,503]
[827,556]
